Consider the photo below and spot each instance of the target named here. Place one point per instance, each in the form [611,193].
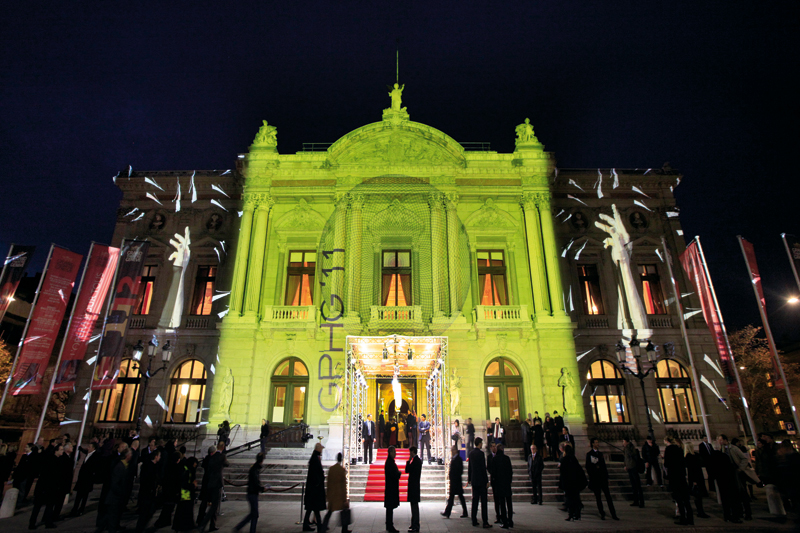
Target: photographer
[224,433]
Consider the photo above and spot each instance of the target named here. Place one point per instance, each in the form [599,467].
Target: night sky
[88,88]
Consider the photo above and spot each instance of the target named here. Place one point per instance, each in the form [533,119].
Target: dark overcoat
[391,491]
[315,484]
[414,471]
[454,475]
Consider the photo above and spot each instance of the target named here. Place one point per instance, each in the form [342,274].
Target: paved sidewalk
[369,517]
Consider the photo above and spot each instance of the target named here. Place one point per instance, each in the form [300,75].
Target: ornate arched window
[119,404]
[187,389]
[675,392]
[289,387]
[503,386]
[609,404]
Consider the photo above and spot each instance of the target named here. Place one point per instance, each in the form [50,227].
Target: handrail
[248,445]
[612,445]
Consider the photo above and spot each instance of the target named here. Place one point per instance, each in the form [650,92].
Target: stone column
[511,274]
[452,253]
[551,255]
[474,281]
[256,263]
[353,272]
[242,256]
[438,238]
[336,277]
[533,242]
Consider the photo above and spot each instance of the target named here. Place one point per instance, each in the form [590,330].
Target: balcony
[659,321]
[197,322]
[138,322]
[395,317]
[289,316]
[594,322]
[501,315]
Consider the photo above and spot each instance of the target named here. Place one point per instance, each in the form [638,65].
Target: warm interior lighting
[793,300]
[184,389]
[490,389]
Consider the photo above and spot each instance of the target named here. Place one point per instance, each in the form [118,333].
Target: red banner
[129,275]
[97,278]
[13,269]
[48,313]
[693,265]
[755,277]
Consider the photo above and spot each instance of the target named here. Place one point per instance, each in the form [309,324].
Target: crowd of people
[168,479]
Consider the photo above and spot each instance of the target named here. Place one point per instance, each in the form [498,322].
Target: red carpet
[376,480]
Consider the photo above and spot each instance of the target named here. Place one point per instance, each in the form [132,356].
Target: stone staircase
[285,467]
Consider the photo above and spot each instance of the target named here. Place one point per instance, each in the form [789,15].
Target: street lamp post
[138,351]
[640,374]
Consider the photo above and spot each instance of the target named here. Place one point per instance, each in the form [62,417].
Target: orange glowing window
[145,296]
[204,290]
[492,284]
[300,278]
[651,290]
[396,279]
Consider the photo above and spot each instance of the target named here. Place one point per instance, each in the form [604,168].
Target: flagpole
[727,341]
[695,377]
[63,343]
[25,331]
[109,297]
[768,331]
[3,275]
[791,259]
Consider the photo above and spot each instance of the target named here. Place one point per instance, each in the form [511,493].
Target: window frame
[673,383]
[289,381]
[503,381]
[493,271]
[397,272]
[176,382]
[582,279]
[147,280]
[654,280]
[136,382]
[618,381]
[195,294]
[300,271]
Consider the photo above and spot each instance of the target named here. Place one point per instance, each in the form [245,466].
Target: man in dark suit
[425,437]
[489,468]
[24,472]
[706,449]
[535,470]
[86,477]
[478,478]
[650,454]
[470,436]
[559,422]
[454,474]
[598,479]
[382,440]
[368,437]
[115,496]
[411,428]
[525,429]
[501,485]
[414,471]
[391,489]
[497,432]
[566,437]
[148,483]
[46,492]
[216,463]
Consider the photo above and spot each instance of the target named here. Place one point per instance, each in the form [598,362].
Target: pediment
[389,144]
[302,217]
[396,220]
[489,216]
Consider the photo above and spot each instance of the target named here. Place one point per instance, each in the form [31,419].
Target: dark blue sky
[87,88]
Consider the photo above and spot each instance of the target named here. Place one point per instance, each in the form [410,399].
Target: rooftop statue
[525,133]
[267,135]
[397,96]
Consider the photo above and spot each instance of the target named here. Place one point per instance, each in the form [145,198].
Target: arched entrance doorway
[503,389]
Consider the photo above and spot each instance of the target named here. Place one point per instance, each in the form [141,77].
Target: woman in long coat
[391,491]
[315,488]
[572,480]
[550,436]
[184,511]
[401,432]
[392,432]
[337,494]
[697,483]
[675,465]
